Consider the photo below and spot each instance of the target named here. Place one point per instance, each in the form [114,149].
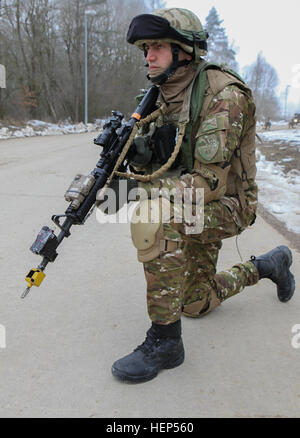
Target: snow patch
[286,135]
[40,128]
[279,193]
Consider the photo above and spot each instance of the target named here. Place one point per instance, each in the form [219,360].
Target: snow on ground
[279,190]
[37,127]
[279,193]
[273,122]
[283,136]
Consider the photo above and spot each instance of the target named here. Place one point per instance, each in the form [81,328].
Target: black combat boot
[162,348]
[275,266]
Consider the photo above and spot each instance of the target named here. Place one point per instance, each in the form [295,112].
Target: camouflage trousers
[185,279]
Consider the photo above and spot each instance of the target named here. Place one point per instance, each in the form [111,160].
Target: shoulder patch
[207,146]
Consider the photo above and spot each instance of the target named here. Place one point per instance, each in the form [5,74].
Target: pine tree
[219,50]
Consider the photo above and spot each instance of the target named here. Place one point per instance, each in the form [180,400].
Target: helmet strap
[197,42]
[197,58]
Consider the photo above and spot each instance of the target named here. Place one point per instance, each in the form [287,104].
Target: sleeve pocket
[211,139]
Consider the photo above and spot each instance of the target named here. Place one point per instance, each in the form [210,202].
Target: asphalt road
[61,340]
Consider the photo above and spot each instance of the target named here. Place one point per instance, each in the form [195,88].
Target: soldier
[212,109]
[268,124]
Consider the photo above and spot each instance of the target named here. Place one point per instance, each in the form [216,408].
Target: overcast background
[260,25]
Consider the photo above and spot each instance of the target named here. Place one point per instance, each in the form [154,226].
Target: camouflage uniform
[185,278]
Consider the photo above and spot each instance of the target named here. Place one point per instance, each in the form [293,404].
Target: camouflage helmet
[173,25]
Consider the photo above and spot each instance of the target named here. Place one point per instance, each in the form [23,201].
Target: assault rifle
[83,190]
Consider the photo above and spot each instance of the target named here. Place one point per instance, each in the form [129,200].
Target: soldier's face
[159,56]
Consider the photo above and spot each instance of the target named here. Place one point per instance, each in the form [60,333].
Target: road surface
[58,344]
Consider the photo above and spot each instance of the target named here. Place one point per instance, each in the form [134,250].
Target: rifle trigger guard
[55,218]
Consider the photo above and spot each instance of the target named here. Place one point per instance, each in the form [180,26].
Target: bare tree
[263,80]
[29,40]
[42,46]
[117,69]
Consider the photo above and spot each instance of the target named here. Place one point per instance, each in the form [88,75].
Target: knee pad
[147,232]
[201,308]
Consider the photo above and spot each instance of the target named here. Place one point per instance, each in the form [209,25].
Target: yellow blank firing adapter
[34,278]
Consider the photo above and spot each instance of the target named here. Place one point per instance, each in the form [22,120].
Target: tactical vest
[208,82]
[211,80]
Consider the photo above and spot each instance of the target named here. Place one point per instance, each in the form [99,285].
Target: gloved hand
[140,153]
[119,193]
[164,139]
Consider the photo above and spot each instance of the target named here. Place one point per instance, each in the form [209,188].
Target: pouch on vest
[211,139]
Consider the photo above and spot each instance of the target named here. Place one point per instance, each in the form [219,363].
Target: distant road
[276,127]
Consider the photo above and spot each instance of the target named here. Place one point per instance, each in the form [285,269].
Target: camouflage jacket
[228,122]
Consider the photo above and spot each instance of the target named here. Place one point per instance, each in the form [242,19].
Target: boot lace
[149,344]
